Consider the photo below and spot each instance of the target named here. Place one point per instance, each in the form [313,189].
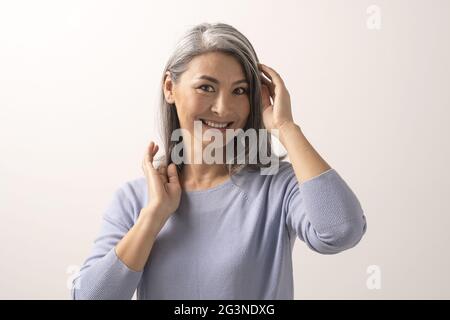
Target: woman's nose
[221,105]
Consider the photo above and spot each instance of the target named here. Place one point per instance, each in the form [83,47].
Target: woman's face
[212,90]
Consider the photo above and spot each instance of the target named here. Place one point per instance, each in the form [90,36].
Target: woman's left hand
[278,114]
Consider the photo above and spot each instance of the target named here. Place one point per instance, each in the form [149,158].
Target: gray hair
[214,37]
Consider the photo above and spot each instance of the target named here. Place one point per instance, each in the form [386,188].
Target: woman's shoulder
[276,171]
[255,181]
[135,191]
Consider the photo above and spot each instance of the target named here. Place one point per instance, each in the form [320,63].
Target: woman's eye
[206,86]
[241,91]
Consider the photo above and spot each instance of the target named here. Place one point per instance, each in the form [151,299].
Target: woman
[196,230]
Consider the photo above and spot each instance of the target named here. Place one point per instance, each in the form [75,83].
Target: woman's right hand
[163,185]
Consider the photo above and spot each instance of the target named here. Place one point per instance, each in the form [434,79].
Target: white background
[79,86]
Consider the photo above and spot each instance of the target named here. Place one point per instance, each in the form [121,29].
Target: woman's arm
[320,207]
[164,192]
[115,266]
[134,248]
[307,163]
[104,275]
[322,211]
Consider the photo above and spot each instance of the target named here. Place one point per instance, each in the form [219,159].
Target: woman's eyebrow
[209,78]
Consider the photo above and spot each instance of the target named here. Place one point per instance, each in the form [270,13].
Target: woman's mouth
[216,125]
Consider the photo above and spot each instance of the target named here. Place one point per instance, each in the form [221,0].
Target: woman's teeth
[216,124]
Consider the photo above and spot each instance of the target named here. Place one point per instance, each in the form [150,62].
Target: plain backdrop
[369,83]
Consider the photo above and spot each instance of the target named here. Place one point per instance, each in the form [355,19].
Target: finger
[269,85]
[148,159]
[154,181]
[265,72]
[153,150]
[173,174]
[163,173]
[266,78]
[272,75]
[265,96]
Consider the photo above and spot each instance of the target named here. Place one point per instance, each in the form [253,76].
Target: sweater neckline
[203,191]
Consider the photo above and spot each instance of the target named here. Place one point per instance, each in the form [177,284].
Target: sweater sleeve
[103,275]
[323,212]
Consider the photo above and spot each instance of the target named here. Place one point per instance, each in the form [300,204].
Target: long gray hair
[214,37]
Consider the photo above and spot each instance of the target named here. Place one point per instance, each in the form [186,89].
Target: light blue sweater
[233,241]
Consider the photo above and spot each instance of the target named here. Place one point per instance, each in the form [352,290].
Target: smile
[216,125]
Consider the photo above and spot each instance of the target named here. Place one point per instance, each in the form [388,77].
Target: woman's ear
[168,88]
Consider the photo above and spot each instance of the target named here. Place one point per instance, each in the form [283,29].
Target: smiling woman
[219,231]
[207,92]
[212,76]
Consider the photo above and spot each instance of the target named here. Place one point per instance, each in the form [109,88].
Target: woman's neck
[202,176]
